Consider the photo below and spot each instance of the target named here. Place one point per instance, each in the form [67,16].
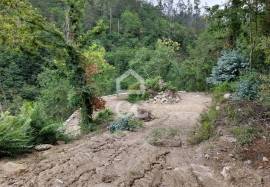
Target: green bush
[14,134]
[126,123]
[43,130]
[248,87]
[104,117]
[57,94]
[228,68]
[133,98]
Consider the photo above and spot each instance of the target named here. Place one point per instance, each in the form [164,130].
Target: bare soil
[127,159]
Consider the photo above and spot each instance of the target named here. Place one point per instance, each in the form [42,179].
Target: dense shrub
[248,87]
[57,95]
[30,127]
[14,137]
[104,117]
[228,67]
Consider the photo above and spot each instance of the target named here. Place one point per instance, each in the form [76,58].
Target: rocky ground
[127,159]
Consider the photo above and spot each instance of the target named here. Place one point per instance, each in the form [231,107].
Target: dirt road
[125,159]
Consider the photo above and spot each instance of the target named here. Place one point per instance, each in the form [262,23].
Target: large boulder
[72,124]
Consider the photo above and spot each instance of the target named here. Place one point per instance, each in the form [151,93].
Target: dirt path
[126,159]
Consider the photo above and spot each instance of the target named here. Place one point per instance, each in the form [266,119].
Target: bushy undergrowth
[14,137]
[248,87]
[19,133]
[126,123]
[245,135]
[104,117]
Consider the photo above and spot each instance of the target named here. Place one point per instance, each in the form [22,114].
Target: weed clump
[164,137]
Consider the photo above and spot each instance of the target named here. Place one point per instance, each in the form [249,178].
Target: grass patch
[221,89]
[245,135]
[159,135]
[207,127]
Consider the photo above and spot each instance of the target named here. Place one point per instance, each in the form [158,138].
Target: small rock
[169,168]
[207,156]
[59,181]
[227,96]
[248,162]
[226,173]
[43,147]
[220,133]
[217,108]
[231,155]
[265,159]
[176,169]
[260,167]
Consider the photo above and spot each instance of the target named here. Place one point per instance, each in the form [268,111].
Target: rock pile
[166,98]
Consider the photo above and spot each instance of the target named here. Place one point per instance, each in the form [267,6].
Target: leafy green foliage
[30,127]
[228,67]
[248,87]
[131,22]
[104,117]
[14,137]
[133,98]
[100,75]
[56,96]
